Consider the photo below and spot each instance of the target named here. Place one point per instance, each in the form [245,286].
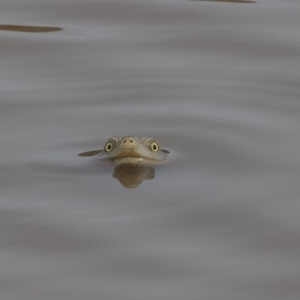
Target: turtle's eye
[108,147]
[154,147]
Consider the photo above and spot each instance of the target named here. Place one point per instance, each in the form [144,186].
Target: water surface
[217,83]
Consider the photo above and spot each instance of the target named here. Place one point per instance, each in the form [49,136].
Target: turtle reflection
[131,176]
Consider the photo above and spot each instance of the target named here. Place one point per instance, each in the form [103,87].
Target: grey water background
[217,83]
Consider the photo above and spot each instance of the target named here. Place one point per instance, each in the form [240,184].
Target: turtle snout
[128,143]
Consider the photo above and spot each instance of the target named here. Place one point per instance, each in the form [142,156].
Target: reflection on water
[131,176]
[22,28]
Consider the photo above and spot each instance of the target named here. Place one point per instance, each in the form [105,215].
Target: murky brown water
[216,83]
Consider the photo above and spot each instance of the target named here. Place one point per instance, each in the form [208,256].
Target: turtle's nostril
[125,141]
[131,141]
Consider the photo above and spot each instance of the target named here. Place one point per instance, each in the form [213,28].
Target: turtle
[131,150]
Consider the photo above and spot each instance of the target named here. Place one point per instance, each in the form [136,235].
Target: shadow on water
[22,28]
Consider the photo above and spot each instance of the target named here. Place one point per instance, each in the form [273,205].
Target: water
[216,83]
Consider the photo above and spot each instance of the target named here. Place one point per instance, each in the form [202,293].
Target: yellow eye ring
[154,147]
[108,147]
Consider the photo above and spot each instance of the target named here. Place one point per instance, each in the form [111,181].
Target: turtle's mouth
[133,156]
[129,155]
